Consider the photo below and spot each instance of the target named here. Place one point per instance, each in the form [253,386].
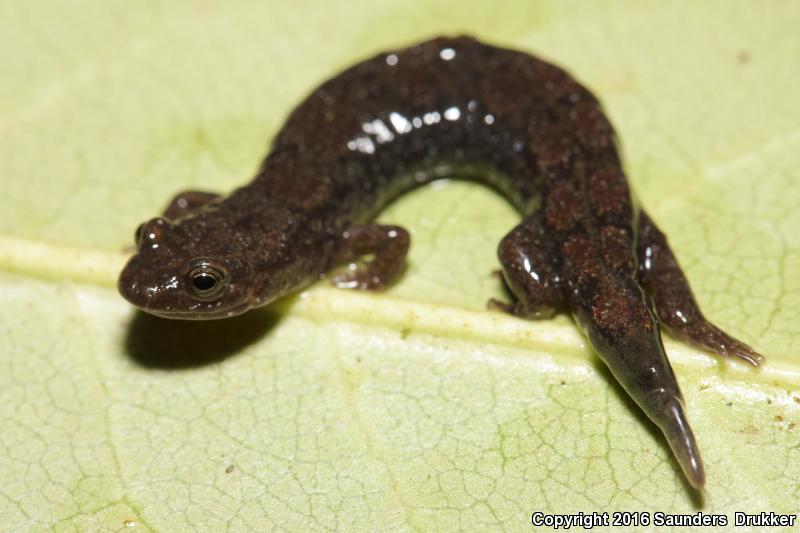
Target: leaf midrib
[49,261]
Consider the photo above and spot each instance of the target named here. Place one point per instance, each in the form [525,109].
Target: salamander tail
[679,435]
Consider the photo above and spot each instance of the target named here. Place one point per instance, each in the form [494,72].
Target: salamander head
[212,266]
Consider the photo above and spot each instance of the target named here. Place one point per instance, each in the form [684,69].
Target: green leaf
[414,409]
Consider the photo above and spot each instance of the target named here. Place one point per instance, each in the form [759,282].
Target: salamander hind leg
[187,201]
[661,276]
[529,271]
[387,246]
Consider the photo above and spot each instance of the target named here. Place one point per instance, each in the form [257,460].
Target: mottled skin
[447,107]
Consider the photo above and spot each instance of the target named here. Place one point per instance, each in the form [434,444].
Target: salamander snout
[144,287]
[202,288]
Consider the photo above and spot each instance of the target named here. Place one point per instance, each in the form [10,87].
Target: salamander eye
[206,281]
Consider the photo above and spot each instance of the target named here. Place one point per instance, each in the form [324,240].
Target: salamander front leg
[388,246]
[183,203]
[526,257]
[187,201]
[661,276]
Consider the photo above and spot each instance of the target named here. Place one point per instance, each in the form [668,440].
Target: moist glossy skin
[447,107]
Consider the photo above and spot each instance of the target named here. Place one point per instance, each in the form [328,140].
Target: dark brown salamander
[447,107]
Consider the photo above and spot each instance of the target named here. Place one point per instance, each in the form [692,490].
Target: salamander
[448,107]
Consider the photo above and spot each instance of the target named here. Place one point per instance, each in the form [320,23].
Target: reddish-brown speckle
[607,192]
[563,207]
[615,245]
[581,260]
[592,127]
[616,311]
[553,149]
